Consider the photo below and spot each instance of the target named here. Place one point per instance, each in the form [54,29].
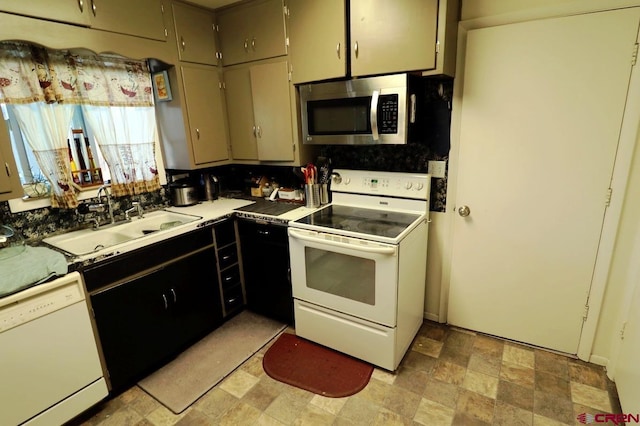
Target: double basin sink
[88,241]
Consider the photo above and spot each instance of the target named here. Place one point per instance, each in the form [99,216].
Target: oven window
[345,276]
[346,116]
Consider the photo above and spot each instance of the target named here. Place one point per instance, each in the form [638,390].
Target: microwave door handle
[375,98]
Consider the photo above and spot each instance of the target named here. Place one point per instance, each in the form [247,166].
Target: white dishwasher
[50,370]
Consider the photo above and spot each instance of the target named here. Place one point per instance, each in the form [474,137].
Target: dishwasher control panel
[39,301]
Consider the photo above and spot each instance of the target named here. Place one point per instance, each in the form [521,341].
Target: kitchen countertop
[207,211]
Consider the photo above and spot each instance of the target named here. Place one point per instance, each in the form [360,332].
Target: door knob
[464,211]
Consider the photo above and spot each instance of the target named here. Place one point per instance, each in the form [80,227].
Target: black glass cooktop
[357,219]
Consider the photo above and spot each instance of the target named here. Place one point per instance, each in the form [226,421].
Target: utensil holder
[312,195]
[324,193]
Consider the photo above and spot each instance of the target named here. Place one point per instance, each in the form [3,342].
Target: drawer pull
[166,303]
[229,278]
[81,5]
[175,298]
[232,301]
[227,257]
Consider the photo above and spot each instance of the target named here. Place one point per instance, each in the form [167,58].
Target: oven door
[349,275]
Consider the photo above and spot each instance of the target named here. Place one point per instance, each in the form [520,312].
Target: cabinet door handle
[175,298]
[246,44]
[355,48]
[198,133]
[259,131]
[8,169]
[255,134]
[228,278]
[253,43]
[263,232]
[183,44]
[93,7]
[231,301]
[81,5]
[166,303]
[338,50]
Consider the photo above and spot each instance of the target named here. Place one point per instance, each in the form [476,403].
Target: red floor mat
[313,367]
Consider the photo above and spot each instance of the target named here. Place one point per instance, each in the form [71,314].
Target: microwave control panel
[388,114]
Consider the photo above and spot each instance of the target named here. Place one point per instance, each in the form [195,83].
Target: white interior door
[541,110]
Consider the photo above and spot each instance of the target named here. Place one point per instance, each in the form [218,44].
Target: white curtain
[126,137]
[45,128]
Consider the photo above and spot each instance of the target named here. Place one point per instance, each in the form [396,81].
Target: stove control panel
[393,184]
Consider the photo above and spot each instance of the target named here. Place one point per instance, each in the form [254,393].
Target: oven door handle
[377,250]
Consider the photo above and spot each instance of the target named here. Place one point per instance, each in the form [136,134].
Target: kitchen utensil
[312,195]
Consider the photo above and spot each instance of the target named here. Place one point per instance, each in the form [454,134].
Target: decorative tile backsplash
[34,225]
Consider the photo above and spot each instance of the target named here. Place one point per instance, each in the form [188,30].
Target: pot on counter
[183,194]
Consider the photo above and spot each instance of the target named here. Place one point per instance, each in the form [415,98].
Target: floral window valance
[33,74]
[116,93]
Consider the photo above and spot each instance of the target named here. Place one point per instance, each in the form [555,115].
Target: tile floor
[449,377]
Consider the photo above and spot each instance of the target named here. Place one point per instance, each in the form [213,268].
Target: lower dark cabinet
[145,321]
[265,260]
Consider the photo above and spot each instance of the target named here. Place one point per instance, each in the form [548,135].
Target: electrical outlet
[437,169]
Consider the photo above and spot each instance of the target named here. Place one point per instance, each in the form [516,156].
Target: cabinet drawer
[230,277]
[233,298]
[225,233]
[227,256]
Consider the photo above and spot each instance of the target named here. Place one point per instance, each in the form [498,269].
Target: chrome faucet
[135,207]
[105,189]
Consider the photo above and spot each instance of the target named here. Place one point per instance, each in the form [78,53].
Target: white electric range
[358,265]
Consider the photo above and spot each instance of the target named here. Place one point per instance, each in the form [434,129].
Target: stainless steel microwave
[364,111]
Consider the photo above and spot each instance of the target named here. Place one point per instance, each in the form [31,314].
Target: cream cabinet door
[71,11]
[259,111]
[392,36]
[252,31]
[204,113]
[272,110]
[195,36]
[317,40]
[5,173]
[141,18]
[240,113]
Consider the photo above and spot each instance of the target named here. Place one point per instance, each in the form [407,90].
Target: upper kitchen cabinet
[203,96]
[383,38]
[259,112]
[195,34]
[252,31]
[9,181]
[142,18]
[192,124]
[318,39]
[69,11]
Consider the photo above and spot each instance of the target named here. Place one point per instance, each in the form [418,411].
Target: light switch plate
[437,169]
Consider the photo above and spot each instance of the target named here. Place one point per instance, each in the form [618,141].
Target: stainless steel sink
[87,241]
